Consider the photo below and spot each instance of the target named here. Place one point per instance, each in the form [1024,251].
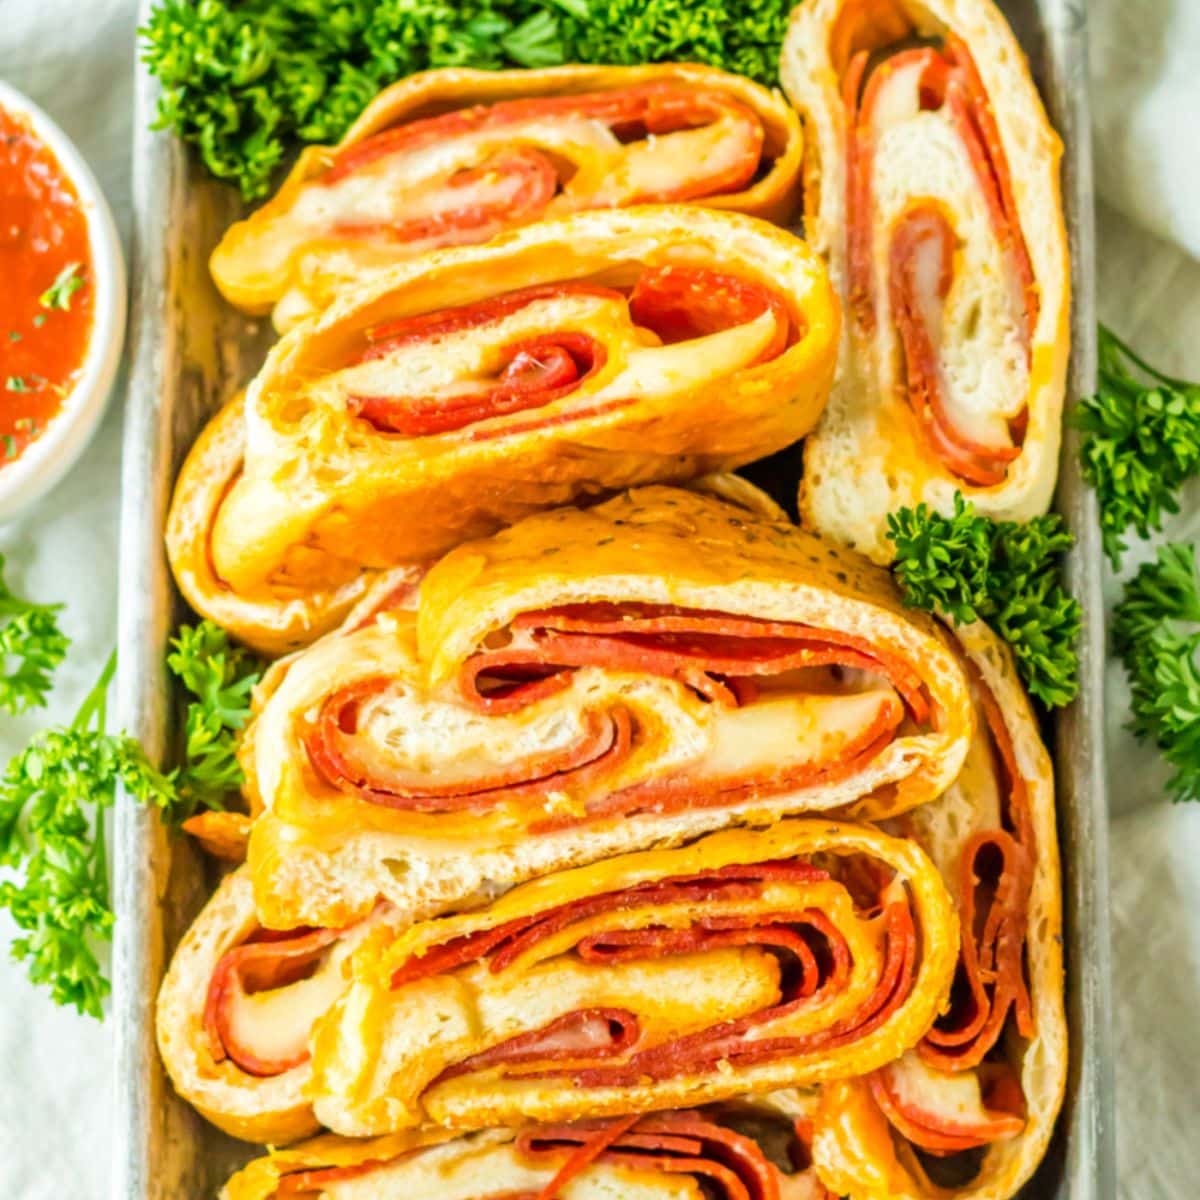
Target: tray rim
[151,1136]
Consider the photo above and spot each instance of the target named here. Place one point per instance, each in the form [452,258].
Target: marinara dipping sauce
[46,296]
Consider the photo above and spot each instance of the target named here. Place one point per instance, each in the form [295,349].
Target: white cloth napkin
[1146,112]
[76,60]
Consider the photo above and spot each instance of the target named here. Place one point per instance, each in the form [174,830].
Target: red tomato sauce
[46,293]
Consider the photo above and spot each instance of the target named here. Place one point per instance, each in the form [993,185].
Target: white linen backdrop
[76,60]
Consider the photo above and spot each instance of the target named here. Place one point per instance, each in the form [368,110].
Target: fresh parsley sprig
[1140,444]
[221,677]
[53,800]
[31,647]
[968,567]
[244,79]
[1156,632]
[54,795]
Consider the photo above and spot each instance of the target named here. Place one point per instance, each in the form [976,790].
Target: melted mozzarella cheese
[414,183]
[275,1024]
[775,733]
[657,165]
[937,1098]
[467,361]
[416,1031]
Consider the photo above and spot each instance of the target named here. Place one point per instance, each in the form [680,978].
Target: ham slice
[585,1035]
[922,270]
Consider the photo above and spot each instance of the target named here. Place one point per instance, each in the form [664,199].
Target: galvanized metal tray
[190,351]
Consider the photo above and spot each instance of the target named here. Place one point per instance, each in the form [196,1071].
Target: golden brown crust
[868,456]
[854,1148]
[272,619]
[316,269]
[323,494]
[259,1179]
[321,855]
[255,1110]
[358,1089]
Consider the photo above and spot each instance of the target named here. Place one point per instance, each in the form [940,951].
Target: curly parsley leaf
[31,648]
[53,800]
[220,676]
[1156,632]
[1140,444]
[968,567]
[242,80]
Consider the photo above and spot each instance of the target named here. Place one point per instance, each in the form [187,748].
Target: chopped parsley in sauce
[46,299]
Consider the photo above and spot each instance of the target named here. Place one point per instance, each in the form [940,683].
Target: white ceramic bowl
[47,459]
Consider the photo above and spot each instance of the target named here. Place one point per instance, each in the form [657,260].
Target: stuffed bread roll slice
[236,1008]
[456,156]
[751,1149]
[465,389]
[969,1112]
[745,962]
[932,190]
[282,618]
[279,618]
[588,682]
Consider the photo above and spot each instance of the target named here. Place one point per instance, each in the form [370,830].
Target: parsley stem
[95,705]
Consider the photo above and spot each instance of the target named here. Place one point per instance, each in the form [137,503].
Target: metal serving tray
[190,351]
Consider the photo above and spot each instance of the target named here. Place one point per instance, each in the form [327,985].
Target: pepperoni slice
[267,960]
[681,303]
[940,1133]
[310,1183]
[727,1164]
[577,1044]
[511,187]
[537,371]
[995,878]
[675,303]
[632,114]
[718,655]
[697,647]
[383,339]
[337,755]
[922,270]
[922,243]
